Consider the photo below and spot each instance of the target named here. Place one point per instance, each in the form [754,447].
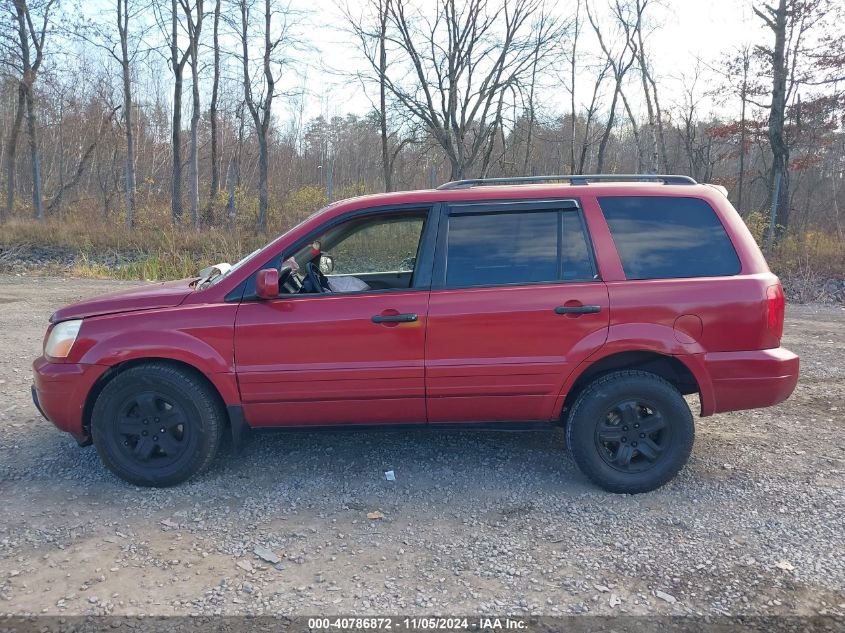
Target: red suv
[590,302]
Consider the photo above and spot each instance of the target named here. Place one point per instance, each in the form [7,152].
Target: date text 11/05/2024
[417,623]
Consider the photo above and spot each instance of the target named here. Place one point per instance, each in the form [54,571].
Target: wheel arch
[671,368]
[119,368]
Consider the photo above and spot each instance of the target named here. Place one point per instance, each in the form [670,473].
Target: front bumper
[60,391]
[752,379]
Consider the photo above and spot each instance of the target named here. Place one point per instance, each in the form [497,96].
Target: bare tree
[125,51]
[620,63]
[259,100]
[590,116]
[383,7]
[573,69]
[635,28]
[213,116]
[84,160]
[123,20]
[29,54]
[744,60]
[460,62]
[194,18]
[178,59]
[790,22]
[776,19]
[11,151]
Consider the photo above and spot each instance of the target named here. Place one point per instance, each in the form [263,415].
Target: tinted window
[514,248]
[502,248]
[577,260]
[660,238]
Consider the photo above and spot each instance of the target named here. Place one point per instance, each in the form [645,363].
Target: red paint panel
[62,389]
[332,412]
[732,309]
[502,353]
[322,360]
[752,379]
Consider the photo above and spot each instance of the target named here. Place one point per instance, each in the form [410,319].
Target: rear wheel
[157,425]
[630,431]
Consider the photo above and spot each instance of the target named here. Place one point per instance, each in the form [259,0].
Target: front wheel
[157,425]
[630,431]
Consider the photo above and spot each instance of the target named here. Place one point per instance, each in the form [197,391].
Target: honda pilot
[589,303]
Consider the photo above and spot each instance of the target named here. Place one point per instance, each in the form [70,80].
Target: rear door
[516,304]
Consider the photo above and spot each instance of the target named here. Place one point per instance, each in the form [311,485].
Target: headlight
[61,339]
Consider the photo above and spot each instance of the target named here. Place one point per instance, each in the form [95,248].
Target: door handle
[577,309]
[394,318]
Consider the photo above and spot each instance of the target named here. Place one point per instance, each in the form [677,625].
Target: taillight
[775,305]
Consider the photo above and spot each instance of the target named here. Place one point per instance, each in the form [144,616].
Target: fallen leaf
[375,515]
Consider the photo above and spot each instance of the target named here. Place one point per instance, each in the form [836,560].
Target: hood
[166,294]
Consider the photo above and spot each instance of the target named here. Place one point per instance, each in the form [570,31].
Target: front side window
[505,248]
[668,237]
[373,252]
[380,245]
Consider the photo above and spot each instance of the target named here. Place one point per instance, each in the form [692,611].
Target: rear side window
[664,238]
[485,249]
[575,254]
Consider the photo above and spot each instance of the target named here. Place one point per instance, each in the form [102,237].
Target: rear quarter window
[668,238]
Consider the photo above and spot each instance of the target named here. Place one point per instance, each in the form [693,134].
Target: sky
[688,32]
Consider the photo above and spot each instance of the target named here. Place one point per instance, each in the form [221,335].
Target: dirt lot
[476,522]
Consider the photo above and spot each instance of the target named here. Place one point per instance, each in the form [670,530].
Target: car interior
[369,253]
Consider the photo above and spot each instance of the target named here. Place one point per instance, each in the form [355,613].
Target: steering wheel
[316,279]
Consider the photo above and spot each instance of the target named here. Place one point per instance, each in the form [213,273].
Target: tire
[133,409]
[630,432]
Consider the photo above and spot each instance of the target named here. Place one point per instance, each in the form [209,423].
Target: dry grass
[156,249]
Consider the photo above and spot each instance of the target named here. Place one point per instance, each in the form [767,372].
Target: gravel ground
[475,523]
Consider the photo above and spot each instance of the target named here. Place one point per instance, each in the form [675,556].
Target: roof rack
[572,179]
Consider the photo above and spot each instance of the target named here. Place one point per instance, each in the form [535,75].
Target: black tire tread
[583,461]
[205,399]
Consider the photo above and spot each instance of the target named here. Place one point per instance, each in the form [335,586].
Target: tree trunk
[11,151]
[385,151]
[742,135]
[31,132]
[176,126]
[605,137]
[572,77]
[212,119]
[130,149]
[123,28]
[636,132]
[777,115]
[195,117]
[231,208]
[262,182]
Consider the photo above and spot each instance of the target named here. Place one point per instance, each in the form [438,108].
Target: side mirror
[267,283]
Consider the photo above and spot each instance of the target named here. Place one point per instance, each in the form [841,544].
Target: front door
[515,305]
[344,357]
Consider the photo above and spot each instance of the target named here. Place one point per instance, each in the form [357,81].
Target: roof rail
[572,179]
